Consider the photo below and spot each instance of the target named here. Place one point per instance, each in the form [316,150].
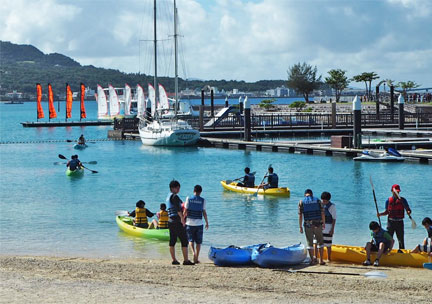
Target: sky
[246,40]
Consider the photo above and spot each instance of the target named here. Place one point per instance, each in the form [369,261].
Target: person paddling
[74,163]
[314,222]
[140,214]
[248,179]
[395,207]
[81,140]
[272,180]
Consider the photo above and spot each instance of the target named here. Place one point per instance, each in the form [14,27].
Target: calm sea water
[46,213]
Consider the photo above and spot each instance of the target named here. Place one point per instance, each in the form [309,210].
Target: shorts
[427,247]
[142,225]
[312,232]
[195,233]
[176,230]
[375,247]
[328,239]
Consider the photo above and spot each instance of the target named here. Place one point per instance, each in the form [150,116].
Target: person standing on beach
[330,221]
[311,210]
[395,207]
[195,210]
[176,223]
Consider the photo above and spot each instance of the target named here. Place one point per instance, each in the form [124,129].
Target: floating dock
[38,124]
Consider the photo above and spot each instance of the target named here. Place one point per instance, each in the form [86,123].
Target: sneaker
[188,263]
[175,262]
[367,263]
[376,263]
[400,251]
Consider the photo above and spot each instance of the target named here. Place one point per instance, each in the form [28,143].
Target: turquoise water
[46,213]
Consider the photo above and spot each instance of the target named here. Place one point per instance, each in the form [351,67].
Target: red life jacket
[396,208]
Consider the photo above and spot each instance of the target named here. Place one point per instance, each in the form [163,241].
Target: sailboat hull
[170,138]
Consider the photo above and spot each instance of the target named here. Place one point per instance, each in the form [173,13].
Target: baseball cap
[396,187]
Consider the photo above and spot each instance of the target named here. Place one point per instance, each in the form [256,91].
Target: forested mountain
[22,66]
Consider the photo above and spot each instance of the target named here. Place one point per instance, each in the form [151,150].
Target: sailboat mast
[176,59]
[155,81]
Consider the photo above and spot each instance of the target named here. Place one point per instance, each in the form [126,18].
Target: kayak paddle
[370,274]
[64,157]
[376,204]
[413,223]
[121,213]
[93,162]
[265,175]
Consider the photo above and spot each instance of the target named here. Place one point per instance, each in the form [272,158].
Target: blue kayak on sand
[269,256]
[232,255]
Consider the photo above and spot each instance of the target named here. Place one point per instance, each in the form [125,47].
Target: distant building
[14,95]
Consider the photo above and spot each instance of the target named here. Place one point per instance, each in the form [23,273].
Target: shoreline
[37,279]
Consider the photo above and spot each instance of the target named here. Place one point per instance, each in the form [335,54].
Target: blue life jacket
[73,164]
[328,216]
[195,207]
[311,208]
[249,180]
[172,209]
[379,238]
[273,180]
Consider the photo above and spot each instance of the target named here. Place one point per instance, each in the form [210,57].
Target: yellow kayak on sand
[357,255]
[283,191]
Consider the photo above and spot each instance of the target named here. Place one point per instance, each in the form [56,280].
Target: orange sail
[82,95]
[69,99]
[51,108]
[40,113]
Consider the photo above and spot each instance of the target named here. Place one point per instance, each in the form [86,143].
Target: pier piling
[333,114]
[357,123]
[392,102]
[201,112]
[247,118]
[211,103]
[401,102]
[377,102]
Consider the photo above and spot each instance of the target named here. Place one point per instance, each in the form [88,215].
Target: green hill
[22,66]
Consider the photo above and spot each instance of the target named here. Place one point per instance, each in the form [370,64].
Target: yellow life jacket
[163,219]
[140,215]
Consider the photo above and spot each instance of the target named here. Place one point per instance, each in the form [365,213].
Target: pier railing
[343,120]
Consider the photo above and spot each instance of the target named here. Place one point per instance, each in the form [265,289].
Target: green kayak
[75,173]
[126,225]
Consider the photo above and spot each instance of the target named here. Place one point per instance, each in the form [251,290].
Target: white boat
[379,157]
[165,131]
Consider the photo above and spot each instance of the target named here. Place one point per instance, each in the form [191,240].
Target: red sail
[40,113]
[82,95]
[51,108]
[69,99]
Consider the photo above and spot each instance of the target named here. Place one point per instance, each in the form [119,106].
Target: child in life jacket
[162,216]
[427,242]
[381,242]
[140,214]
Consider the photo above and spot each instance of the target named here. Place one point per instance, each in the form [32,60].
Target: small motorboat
[391,155]
[269,256]
[232,255]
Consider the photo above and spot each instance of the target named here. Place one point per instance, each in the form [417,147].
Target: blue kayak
[232,255]
[427,266]
[269,256]
[80,146]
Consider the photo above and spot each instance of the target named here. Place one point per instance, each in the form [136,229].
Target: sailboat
[161,131]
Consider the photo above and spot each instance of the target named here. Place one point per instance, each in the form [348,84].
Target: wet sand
[84,280]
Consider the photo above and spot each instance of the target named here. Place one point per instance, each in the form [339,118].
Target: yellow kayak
[284,191]
[357,255]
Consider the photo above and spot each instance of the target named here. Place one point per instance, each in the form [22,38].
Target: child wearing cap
[395,207]
[427,242]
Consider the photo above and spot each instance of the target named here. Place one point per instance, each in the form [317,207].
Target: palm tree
[406,85]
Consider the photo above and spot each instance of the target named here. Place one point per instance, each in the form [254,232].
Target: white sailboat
[159,131]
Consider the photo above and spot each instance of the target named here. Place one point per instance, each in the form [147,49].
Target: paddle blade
[93,162]
[62,156]
[121,213]
[59,163]
[413,223]
[375,275]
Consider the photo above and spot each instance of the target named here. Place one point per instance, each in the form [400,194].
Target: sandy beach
[84,280]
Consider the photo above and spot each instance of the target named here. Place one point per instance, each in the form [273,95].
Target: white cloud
[243,40]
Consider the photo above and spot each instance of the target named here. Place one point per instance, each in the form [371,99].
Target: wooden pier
[38,124]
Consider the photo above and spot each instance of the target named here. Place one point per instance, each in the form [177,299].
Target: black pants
[177,230]
[398,227]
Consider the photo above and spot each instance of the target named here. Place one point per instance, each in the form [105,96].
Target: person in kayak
[248,179]
[427,242]
[176,224]
[395,207]
[381,242]
[162,216]
[140,214]
[272,180]
[195,210]
[81,140]
[74,163]
[311,210]
[330,221]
